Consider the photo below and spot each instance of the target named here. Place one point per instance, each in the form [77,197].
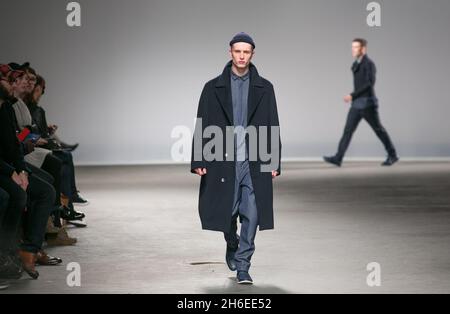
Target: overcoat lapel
[223,92]
[256,93]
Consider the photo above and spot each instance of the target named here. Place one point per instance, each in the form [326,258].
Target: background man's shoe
[333,160]
[243,278]
[390,161]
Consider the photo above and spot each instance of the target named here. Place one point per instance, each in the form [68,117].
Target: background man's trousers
[245,208]
[372,117]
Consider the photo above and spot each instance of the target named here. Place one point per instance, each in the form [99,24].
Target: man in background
[364,105]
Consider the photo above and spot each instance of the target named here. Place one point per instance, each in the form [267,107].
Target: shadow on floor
[232,287]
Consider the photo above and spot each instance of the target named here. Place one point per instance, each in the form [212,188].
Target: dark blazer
[364,78]
[217,186]
[11,151]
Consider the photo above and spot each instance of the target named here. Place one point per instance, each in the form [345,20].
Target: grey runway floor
[144,233]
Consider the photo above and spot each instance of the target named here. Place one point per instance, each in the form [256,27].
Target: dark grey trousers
[245,208]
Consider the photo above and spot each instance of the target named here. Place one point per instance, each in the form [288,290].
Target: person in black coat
[29,195]
[235,183]
[364,105]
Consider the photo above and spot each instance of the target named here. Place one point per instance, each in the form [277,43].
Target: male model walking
[233,184]
[364,105]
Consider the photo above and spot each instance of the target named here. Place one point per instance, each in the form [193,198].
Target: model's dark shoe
[230,254]
[71,214]
[29,264]
[44,259]
[390,161]
[79,199]
[333,160]
[243,278]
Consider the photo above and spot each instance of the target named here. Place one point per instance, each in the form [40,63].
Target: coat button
[223,180]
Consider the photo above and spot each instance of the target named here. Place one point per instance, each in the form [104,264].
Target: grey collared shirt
[239,94]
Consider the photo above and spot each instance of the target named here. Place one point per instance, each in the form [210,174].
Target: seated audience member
[10,183]
[57,234]
[51,159]
[29,196]
[39,159]
[47,131]
[38,114]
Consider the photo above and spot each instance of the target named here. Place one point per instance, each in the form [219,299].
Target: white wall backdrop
[134,70]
